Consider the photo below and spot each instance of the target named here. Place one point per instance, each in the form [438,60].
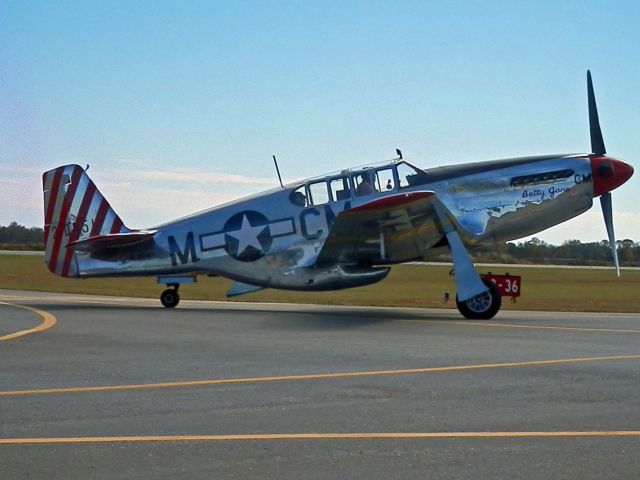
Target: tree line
[571,252]
[17,237]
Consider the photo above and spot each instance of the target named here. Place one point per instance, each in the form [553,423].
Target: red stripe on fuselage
[51,204]
[392,201]
[78,225]
[117,225]
[64,212]
[99,221]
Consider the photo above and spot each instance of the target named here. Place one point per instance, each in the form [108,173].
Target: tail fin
[74,210]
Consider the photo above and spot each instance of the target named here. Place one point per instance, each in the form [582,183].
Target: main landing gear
[476,298]
[170,297]
[483,306]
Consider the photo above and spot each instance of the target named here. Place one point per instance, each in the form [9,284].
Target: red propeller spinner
[608,173]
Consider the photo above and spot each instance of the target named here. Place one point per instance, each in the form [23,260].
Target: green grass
[552,289]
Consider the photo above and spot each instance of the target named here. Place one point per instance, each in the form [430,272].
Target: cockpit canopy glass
[359,183]
[385,181]
[409,176]
[299,197]
[340,189]
[363,184]
[319,193]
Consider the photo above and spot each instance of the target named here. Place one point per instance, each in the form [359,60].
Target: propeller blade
[607,212]
[597,142]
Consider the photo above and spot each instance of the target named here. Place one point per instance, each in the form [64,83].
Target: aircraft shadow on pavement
[296,319]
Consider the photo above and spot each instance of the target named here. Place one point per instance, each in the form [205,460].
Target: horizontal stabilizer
[239,288]
[111,241]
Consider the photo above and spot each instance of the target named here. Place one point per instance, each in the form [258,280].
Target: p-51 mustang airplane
[338,230]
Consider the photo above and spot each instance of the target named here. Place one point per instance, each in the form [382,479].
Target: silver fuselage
[492,201]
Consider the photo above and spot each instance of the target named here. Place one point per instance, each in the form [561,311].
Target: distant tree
[626,250]
[537,249]
[18,235]
[571,252]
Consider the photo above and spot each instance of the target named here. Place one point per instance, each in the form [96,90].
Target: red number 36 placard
[508,285]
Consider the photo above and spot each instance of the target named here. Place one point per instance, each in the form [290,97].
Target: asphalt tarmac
[104,387]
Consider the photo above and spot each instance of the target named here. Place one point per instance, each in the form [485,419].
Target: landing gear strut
[170,297]
[483,306]
[481,299]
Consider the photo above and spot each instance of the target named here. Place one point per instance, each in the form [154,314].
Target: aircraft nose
[608,173]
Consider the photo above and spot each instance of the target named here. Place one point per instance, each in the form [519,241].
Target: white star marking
[247,236]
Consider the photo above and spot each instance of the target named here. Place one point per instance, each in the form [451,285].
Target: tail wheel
[170,298]
[483,306]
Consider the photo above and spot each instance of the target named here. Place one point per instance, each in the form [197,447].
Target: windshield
[410,176]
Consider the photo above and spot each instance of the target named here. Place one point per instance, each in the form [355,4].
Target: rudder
[74,209]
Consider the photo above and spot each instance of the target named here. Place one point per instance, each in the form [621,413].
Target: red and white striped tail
[74,210]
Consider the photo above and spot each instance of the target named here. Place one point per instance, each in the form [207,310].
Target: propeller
[597,142]
[607,212]
[598,148]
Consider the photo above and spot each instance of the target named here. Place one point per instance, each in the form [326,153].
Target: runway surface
[104,387]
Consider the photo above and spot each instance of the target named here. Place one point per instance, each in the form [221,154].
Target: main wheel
[483,306]
[170,298]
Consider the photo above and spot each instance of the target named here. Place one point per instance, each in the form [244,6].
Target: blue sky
[178,106]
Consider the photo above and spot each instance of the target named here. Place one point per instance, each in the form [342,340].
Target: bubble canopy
[357,182]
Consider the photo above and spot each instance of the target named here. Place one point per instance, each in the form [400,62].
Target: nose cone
[608,173]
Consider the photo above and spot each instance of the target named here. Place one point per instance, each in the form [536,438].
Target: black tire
[170,298]
[482,307]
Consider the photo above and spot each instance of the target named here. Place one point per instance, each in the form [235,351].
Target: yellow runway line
[116,302]
[315,436]
[48,321]
[319,376]
[541,327]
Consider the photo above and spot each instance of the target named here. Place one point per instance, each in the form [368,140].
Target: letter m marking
[183,255]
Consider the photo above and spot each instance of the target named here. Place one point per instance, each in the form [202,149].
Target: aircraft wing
[391,229]
[111,241]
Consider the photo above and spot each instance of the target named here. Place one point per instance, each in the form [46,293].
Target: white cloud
[141,197]
[193,176]
[138,170]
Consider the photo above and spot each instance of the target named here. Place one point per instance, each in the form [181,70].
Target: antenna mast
[275,162]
